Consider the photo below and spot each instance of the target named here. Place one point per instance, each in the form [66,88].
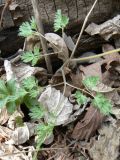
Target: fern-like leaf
[36,112]
[103,104]
[28,28]
[81,99]
[43,132]
[60,21]
[10,95]
[91,81]
[31,85]
[30,56]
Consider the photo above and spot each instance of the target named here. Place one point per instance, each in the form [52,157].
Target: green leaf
[11,96]
[3,102]
[11,86]
[11,107]
[60,21]
[32,57]
[103,104]
[43,131]
[3,89]
[31,85]
[81,99]
[91,82]
[30,102]
[19,121]
[28,28]
[37,112]
[33,23]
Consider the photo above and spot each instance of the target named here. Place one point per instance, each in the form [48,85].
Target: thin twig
[83,27]
[41,30]
[83,90]
[96,56]
[42,149]
[64,80]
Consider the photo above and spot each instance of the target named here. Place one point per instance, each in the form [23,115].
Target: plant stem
[41,30]
[96,56]
[81,32]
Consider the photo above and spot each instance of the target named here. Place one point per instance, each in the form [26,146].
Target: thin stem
[83,27]
[64,80]
[96,56]
[79,89]
[41,30]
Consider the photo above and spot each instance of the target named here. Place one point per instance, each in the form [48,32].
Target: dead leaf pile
[107,146]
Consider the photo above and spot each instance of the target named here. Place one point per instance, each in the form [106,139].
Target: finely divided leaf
[43,132]
[31,85]
[60,21]
[30,82]
[81,99]
[3,89]
[10,95]
[30,56]
[28,28]
[103,104]
[91,81]
[37,112]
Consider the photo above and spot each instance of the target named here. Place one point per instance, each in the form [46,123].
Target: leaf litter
[74,114]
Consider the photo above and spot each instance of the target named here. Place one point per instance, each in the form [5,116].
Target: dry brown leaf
[102,88]
[112,75]
[16,11]
[31,42]
[76,78]
[110,57]
[69,42]
[92,70]
[7,152]
[88,125]
[116,112]
[106,29]
[107,146]
[4,116]
[114,97]
[12,119]
[57,43]
[58,107]
[21,134]
[23,71]
[4,133]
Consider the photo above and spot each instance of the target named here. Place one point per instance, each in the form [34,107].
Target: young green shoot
[31,56]
[99,100]
[60,21]
[28,28]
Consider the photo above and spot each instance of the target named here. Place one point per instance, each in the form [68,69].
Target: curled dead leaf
[58,45]
[58,108]
[23,71]
[21,134]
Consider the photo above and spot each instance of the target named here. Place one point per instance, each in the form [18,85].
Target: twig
[79,89]
[42,149]
[96,56]
[83,27]
[64,80]
[41,30]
